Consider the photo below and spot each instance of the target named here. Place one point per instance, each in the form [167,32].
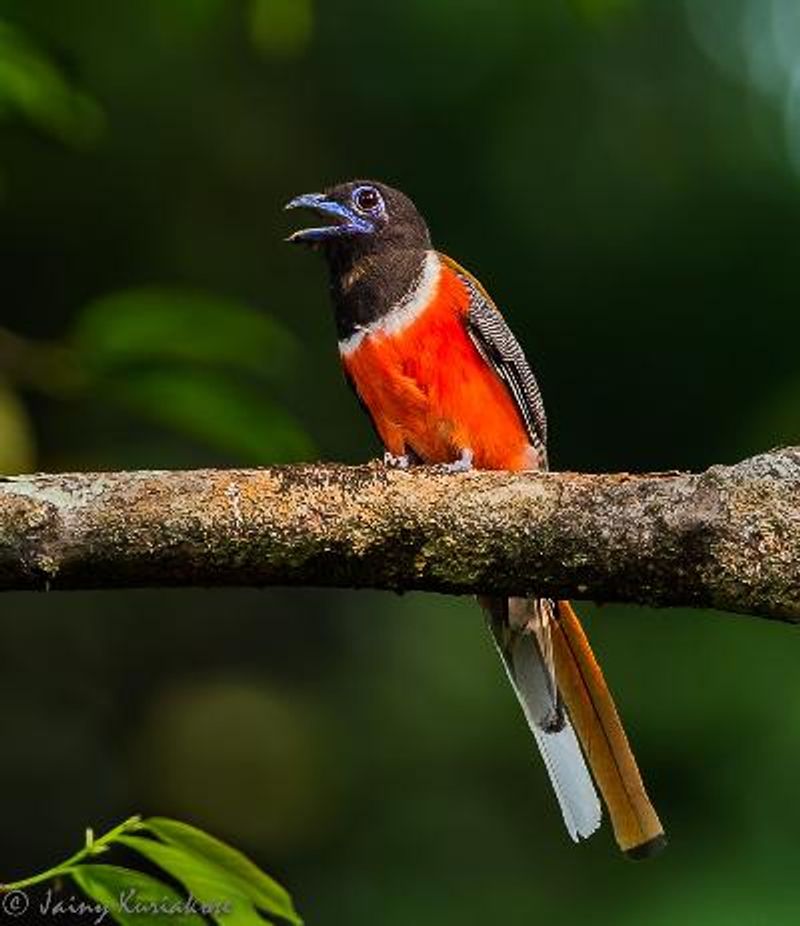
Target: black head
[363,217]
[375,243]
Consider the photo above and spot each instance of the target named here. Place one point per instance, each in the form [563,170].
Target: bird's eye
[367,199]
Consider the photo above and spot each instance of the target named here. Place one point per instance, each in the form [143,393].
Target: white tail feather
[580,805]
[532,681]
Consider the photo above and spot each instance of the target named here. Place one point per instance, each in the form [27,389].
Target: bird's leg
[462,465]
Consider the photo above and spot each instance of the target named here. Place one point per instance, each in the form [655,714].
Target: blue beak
[345,221]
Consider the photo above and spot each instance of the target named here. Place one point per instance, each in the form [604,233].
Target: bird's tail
[562,690]
[521,631]
[591,708]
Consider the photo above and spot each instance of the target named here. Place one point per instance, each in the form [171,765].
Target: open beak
[344,222]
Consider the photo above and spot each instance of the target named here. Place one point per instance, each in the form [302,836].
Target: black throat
[366,285]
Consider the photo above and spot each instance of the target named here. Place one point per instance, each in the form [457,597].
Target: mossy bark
[727,538]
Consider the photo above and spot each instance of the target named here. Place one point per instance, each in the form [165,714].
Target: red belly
[429,390]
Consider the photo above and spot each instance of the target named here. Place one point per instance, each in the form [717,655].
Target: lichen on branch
[726,538]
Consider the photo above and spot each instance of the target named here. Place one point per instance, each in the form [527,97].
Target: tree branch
[728,538]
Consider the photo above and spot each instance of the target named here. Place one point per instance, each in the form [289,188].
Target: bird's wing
[500,349]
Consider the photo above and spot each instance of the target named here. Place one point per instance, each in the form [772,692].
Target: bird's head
[362,216]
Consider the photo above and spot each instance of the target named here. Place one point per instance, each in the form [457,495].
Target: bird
[444,381]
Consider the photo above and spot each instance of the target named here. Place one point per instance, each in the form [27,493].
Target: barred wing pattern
[500,349]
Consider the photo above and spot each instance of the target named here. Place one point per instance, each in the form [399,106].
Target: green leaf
[31,85]
[183,359]
[17,452]
[211,408]
[203,879]
[165,324]
[263,890]
[133,898]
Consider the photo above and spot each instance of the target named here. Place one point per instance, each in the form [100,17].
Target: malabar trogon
[444,381]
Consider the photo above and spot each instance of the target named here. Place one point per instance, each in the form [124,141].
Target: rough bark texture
[727,538]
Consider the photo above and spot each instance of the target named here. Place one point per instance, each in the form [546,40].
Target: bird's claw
[396,462]
[462,465]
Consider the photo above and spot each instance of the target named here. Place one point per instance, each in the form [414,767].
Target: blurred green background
[624,178]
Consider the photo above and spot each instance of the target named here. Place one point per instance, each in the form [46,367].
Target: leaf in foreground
[258,886]
[202,879]
[133,898]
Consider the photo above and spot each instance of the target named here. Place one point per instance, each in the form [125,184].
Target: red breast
[425,384]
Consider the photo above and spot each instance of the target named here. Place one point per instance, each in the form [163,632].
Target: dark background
[623,176]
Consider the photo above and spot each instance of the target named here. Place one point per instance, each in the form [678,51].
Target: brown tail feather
[591,708]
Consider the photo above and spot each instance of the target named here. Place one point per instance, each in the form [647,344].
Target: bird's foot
[396,462]
[462,465]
